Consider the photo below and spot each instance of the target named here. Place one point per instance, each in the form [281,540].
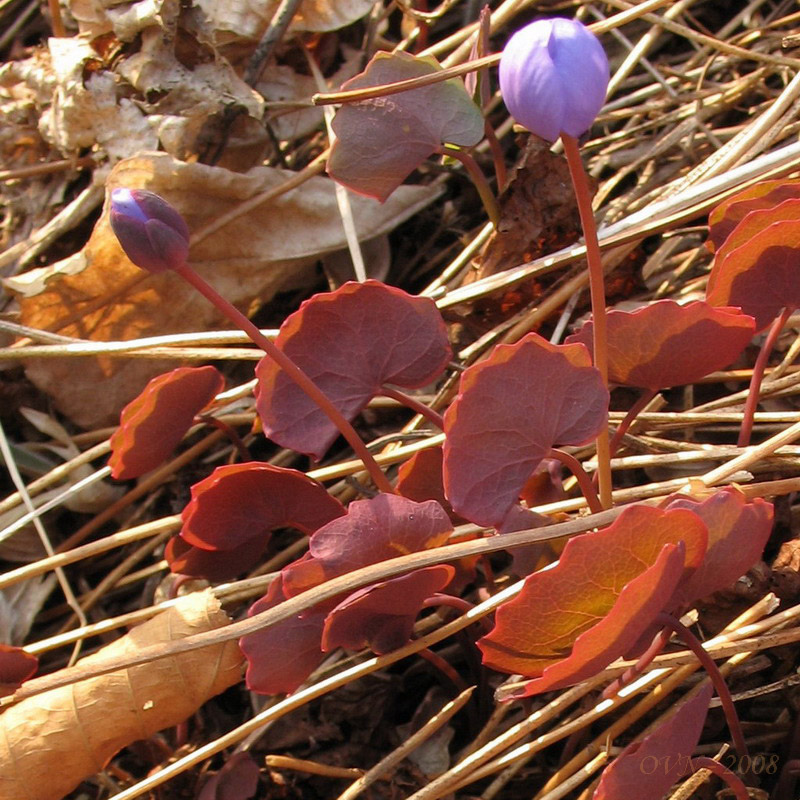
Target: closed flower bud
[553,77]
[151,232]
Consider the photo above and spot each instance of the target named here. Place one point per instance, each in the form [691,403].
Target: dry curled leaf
[247,20]
[52,741]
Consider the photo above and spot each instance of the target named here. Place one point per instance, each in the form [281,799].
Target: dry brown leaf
[538,212]
[51,742]
[189,100]
[219,23]
[226,23]
[90,295]
[281,83]
[84,113]
[126,20]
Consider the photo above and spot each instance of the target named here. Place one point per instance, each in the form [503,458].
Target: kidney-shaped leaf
[153,424]
[420,478]
[239,502]
[379,141]
[729,213]
[382,616]
[16,666]
[573,619]
[648,768]
[510,411]
[281,657]
[373,530]
[667,344]
[737,533]
[214,565]
[237,780]
[381,335]
[761,275]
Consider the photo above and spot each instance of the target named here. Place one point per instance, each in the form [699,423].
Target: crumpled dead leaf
[217,23]
[189,100]
[99,294]
[78,113]
[126,20]
[225,23]
[538,212]
[280,83]
[54,740]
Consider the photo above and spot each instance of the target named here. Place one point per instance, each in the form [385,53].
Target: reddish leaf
[380,141]
[153,424]
[737,533]
[729,213]
[650,767]
[420,478]
[574,619]
[382,616]
[281,657]
[373,530]
[239,502]
[237,780]
[544,485]
[214,565]
[666,344]
[527,557]
[752,223]
[761,275]
[510,411]
[16,666]
[382,335]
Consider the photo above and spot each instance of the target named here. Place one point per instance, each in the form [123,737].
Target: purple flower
[553,77]
[151,232]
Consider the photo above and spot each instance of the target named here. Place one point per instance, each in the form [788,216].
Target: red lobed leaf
[577,617]
[16,666]
[650,767]
[729,213]
[373,530]
[526,557]
[510,411]
[153,424]
[752,223]
[667,344]
[281,657]
[420,478]
[544,485]
[737,534]
[214,565]
[382,616]
[382,335]
[237,780]
[757,268]
[239,502]
[380,141]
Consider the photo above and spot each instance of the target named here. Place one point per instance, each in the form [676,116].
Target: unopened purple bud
[151,232]
[553,77]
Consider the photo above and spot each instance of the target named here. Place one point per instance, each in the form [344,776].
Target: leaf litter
[95,105]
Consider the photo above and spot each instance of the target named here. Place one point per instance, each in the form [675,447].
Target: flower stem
[723,692]
[584,481]
[478,179]
[598,295]
[754,392]
[498,156]
[236,441]
[645,659]
[633,412]
[415,405]
[735,783]
[292,370]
